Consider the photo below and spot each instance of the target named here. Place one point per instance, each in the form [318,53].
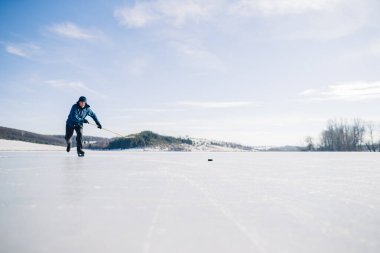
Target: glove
[99,126]
[85,121]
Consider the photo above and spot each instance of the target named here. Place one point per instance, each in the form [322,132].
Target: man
[75,121]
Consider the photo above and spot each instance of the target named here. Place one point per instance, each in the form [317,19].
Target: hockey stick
[126,137]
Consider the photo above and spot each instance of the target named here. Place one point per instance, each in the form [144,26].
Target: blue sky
[250,71]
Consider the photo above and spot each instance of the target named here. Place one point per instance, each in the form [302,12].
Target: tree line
[346,135]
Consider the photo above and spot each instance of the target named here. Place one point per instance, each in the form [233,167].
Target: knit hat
[82,99]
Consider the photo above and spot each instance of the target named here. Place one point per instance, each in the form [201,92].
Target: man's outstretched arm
[93,116]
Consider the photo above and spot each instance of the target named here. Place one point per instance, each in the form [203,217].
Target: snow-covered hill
[198,145]
[11,145]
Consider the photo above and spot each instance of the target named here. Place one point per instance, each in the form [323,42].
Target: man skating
[75,121]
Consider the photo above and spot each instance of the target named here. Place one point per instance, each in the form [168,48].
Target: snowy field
[11,145]
[179,202]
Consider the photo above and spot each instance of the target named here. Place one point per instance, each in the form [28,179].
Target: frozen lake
[179,202]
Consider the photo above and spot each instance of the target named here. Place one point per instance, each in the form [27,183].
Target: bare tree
[309,143]
[370,142]
[358,131]
[343,135]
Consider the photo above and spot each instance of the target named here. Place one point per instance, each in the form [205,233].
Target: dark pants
[70,132]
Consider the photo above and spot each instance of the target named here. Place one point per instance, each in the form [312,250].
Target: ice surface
[180,202]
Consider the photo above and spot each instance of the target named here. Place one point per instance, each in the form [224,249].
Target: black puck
[210,160]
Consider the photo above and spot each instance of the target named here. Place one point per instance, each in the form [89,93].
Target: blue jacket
[77,115]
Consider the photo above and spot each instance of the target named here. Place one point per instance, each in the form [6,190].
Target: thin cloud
[216,105]
[152,110]
[354,91]
[138,66]
[139,15]
[177,12]
[74,85]
[281,7]
[72,31]
[308,92]
[299,19]
[371,49]
[374,48]
[286,19]
[26,50]
[16,51]
[171,12]
[197,55]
